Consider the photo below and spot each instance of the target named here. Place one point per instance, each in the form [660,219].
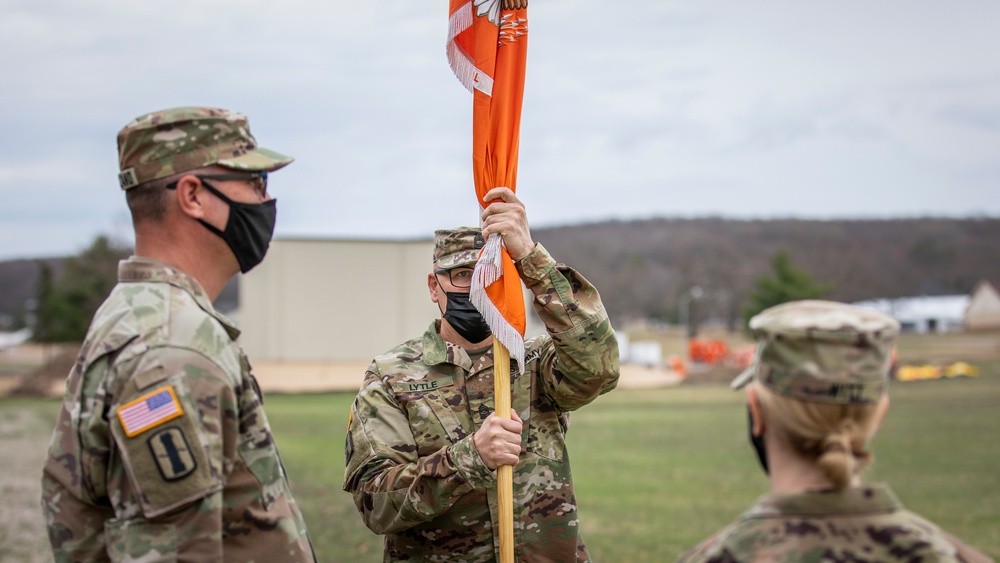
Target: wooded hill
[18,284]
[643,268]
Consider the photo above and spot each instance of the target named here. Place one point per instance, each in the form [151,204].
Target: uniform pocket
[136,540]
[434,424]
[547,434]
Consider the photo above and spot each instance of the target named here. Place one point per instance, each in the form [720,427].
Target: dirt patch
[50,379]
[948,348]
[7,383]
[309,377]
[316,377]
[642,377]
[289,377]
[23,439]
[717,374]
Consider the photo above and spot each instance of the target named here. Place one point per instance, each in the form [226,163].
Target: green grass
[310,432]
[940,447]
[657,471]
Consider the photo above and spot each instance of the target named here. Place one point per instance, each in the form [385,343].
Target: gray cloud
[632,109]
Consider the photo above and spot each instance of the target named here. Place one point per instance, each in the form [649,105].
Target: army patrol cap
[822,351]
[457,247]
[171,141]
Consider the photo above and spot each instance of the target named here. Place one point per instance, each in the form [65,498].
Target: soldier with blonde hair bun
[836,436]
[816,393]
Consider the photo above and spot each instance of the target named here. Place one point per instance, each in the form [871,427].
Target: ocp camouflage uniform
[862,524]
[412,466]
[162,450]
[831,353]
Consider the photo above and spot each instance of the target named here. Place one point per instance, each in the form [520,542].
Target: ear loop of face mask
[757,442]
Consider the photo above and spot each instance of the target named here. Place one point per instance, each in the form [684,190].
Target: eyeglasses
[258,180]
[459,277]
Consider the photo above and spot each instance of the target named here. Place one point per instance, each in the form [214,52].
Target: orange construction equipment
[678,366]
[707,351]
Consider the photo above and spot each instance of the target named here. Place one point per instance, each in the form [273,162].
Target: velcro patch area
[163,449]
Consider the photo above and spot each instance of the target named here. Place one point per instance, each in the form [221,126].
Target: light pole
[684,305]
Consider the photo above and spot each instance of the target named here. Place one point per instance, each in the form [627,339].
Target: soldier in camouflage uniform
[423,445]
[816,394]
[162,451]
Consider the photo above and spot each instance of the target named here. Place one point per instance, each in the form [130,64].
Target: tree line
[670,270]
[67,301]
[649,269]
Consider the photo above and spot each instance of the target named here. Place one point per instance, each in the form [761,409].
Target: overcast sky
[632,109]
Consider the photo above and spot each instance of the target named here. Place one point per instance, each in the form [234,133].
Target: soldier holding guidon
[423,443]
[162,451]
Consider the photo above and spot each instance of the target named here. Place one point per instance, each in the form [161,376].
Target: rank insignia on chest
[149,411]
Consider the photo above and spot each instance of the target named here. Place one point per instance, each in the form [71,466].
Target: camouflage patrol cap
[167,142]
[457,247]
[822,351]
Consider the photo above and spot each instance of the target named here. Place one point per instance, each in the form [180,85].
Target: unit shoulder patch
[173,456]
[165,449]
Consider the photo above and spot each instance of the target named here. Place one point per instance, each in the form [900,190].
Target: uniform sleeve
[394,487]
[965,552]
[712,550]
[174,419]
[579,361]
[74,500]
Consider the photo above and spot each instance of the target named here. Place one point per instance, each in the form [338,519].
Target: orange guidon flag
[487,49]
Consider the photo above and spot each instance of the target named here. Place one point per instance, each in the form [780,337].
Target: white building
[942,313]
[14,339]
[327,300]
[983,312]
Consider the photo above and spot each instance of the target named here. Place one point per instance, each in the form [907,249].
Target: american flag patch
[149,411]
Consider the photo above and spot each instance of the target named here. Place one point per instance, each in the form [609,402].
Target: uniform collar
[867,499]
[437,351]
[141,269]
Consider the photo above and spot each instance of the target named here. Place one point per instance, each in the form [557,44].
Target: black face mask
[758,443]
[463,316]
[248,230]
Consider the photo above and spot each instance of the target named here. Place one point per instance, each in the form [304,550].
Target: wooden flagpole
[505,473]
[502,400]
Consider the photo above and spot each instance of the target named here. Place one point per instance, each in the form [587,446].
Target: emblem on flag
[149,411]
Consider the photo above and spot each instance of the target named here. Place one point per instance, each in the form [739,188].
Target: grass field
[656,470]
